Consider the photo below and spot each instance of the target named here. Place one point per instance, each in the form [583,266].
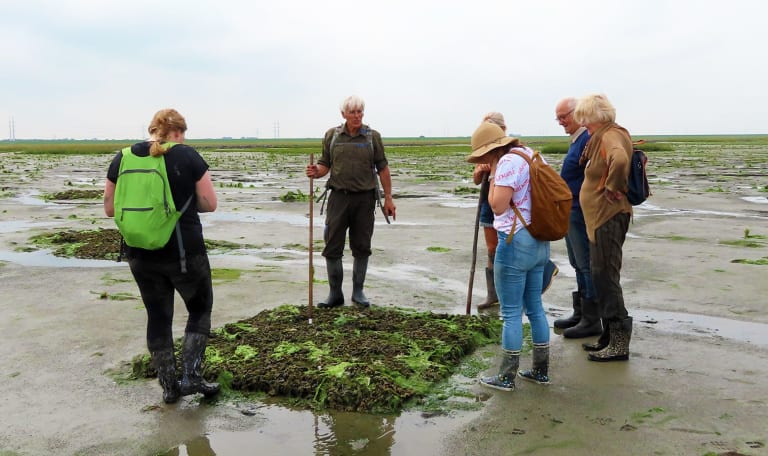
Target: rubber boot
[192,380]
[618,347]
[492,299]
[539,373]
[165,363]
[550,271]
[574,319]
[589,325]
[335,277]
[505,380]
[602,341]
[359,270]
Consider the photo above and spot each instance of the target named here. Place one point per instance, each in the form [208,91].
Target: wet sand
[695,382]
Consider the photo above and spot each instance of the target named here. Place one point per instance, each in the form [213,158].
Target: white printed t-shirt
[513,171]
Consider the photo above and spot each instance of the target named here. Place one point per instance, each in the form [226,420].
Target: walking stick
[311,236]
[474,245]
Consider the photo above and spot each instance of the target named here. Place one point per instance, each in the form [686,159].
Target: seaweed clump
[371,360]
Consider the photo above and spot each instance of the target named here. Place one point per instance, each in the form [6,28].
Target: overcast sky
[100,69]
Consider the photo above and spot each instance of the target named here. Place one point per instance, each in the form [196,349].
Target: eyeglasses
[562,117]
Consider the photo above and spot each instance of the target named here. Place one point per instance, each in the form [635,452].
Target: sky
[96,69]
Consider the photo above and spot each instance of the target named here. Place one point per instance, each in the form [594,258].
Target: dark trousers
[158,281]
[605,264]
[577,244]
[353,211]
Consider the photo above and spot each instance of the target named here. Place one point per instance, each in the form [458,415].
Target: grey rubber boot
[602,341]
[335,277]
[359,270]
[574,319]
[539,373]
[505,380]
[192,354]
[589,325]
[492,299]
[618,347]
[164,362]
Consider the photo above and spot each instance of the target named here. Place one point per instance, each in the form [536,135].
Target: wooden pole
[474,248]
[311,235]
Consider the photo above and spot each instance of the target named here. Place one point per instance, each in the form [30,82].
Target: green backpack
[145,213]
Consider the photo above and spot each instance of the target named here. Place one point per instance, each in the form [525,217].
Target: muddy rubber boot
[359,270]
[192,354]
[618,347]
[539,373]
[335,277]
[589,325]
[602,341]
[505,380]
[165,362]
[492,299]
[573,320]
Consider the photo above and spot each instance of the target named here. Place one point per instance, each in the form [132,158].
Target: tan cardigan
[614,143]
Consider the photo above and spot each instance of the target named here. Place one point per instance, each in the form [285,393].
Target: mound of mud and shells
[373,360]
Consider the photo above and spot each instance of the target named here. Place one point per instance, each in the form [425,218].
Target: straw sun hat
[486,138]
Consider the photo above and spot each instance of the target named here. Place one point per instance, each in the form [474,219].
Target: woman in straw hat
[520,258]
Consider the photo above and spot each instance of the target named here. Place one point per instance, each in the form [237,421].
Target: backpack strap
[179,240]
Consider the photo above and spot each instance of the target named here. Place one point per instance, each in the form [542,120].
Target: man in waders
[353,153]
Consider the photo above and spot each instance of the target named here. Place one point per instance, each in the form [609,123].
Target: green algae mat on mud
[373,360]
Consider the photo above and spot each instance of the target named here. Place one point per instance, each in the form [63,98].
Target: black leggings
[157,283]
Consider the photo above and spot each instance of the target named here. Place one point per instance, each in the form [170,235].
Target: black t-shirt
[184,167]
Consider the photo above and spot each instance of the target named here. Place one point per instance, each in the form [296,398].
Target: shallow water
[285,431]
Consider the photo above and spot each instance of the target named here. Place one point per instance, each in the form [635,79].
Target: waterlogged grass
[221,275]
[438,249]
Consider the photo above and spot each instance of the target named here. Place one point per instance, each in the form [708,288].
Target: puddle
[44,258]
[756,199]
[260,217]
[32,199]
[12,226]
[702,325]
[647,209]
[284,431]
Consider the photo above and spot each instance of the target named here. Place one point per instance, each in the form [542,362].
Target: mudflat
[693,276]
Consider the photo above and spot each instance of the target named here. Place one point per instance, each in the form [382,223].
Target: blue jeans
[577,243]
[519,273]
[486,214]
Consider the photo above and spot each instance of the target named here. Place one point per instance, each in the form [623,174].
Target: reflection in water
[199,446]
[301,432]
[342,433]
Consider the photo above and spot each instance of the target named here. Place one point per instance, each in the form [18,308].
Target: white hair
[352,102]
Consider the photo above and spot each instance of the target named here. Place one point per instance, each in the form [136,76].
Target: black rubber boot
[492,299]
[335,277]
[550,271]
[589,325]
[505,380]
[574,319]
[540,371]
[359,270]
[618,347]
[602,341]
[164,362]
[192,354]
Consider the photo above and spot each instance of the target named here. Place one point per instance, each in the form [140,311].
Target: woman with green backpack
[145,185]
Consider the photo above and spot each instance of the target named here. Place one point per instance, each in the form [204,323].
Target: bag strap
[518,215]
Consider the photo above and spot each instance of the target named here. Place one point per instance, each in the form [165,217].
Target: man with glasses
[584,322]
[354,155]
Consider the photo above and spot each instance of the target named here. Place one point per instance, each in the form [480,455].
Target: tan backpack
[551,200]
